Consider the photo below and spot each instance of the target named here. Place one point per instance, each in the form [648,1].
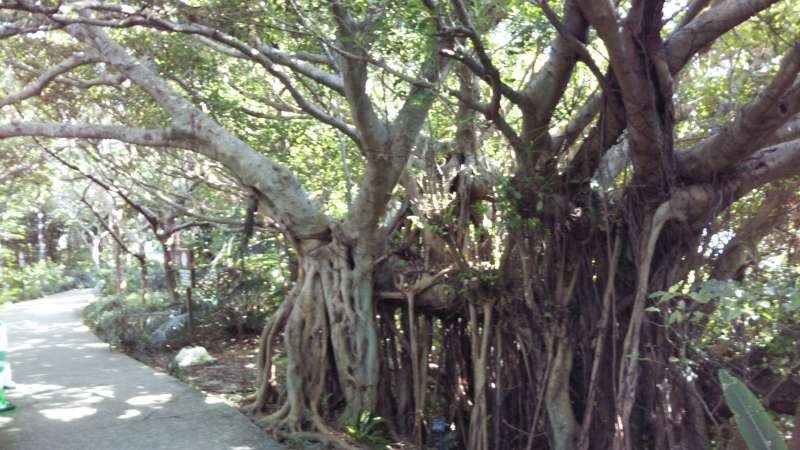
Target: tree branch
[46,77]
[706,27]
[352,63]
[546,88]
[264,55]
[484,67]
[679,48]
[582,118]
[740,250]
[767,165]
[702,201]
[117,238]
[18,170]
[755,124]
[283,197]
[139,136]
[386,162]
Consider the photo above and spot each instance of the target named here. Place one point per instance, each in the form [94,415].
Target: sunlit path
[73,393]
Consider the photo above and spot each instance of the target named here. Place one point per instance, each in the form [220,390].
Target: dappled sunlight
[49,309]
[149,400]
[68,414]
[130,414]
[95,345]
[90,392]
[34,388]
[72,388]
[213,400]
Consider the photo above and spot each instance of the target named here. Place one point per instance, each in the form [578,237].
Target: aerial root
[283,425]
[329,439]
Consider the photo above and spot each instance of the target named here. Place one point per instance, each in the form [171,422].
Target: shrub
[40,279]
[125,322]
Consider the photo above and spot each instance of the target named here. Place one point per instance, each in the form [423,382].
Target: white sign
[186,277]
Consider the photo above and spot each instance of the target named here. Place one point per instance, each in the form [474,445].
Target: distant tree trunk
[144,277]
[41,244]
[119,264]
[169,271]
[119,270]
[96,249]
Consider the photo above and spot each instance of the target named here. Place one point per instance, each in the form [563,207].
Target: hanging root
[302,319]
[266,348]
[331,440]
[282,427]
[327,313]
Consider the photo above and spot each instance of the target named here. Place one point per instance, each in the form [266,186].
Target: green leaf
[674,317]
[661,296]
[755,425]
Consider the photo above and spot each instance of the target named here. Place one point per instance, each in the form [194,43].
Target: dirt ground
[231,377]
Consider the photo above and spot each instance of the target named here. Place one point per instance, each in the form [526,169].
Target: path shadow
[73,392]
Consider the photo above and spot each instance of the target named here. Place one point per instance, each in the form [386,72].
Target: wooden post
[187,276]
[189,314]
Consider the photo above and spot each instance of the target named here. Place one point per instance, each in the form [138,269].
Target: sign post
[187,279]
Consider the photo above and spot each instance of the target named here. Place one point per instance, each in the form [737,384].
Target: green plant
[174,370]
[755,425]
[40,279]
[365,430]
[448,441]
[123,321]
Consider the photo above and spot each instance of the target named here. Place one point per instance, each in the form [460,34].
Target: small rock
[192,356]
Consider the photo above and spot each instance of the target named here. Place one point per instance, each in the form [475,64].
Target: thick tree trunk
[328,317]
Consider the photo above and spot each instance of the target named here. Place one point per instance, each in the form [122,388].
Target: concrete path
[74,393]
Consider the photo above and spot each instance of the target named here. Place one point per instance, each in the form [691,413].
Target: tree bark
[169,272]
[329,311]
[119,265]
[564,427]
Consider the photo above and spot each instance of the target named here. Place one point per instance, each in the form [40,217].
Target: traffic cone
[5,366]
[5,405]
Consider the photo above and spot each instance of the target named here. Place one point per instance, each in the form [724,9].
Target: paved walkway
[74,393]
